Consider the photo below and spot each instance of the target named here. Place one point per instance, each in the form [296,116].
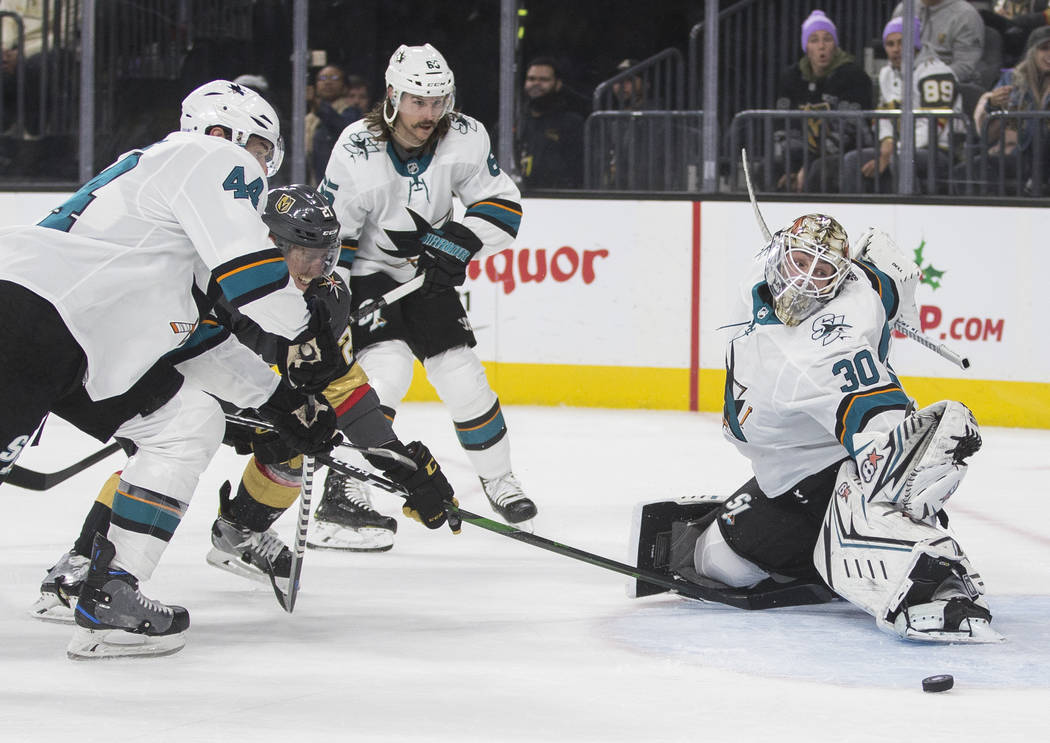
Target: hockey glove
[306,424]
[313,360]
[444,256]
[879,249]
[428,490]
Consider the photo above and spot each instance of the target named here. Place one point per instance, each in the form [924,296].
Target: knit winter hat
[817,21]
[1037,37]
[896,26]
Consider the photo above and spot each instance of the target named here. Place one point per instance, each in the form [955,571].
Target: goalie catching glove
[314,359]
[444,255]
[305,424]
[428,490]
[878,248]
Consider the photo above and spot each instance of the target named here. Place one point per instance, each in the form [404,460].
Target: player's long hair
[383,131]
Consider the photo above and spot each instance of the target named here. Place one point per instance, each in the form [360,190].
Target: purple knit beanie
[817,21]
[896,26]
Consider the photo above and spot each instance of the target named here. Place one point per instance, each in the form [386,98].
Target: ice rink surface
[480,638]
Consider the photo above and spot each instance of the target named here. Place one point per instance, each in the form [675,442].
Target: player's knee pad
[388,365]
[175,443]
[919,464]
[460,381]
[867,550]
[715,559]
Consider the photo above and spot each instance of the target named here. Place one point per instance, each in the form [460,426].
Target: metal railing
[643,150]
[831,147]
[657,83]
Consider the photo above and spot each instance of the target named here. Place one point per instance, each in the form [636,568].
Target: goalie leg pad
[919,464]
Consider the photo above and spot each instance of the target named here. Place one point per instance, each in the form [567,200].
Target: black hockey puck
[938,683]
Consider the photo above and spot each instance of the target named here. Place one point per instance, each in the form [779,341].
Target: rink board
[618,303]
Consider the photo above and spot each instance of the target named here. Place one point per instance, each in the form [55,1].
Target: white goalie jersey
[136,256]
[795,396]
[372,189]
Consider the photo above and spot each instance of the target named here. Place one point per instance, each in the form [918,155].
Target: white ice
[478,637]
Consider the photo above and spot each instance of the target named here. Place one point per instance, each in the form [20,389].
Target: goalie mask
[239,109]
[420,71]
[304,228]
[806,265]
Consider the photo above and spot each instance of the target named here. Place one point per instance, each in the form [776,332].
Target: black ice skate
[250,554]
[345,520]
[507,498]
[114,619]
[61,588]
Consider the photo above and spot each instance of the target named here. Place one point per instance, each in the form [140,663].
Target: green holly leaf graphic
[930,275]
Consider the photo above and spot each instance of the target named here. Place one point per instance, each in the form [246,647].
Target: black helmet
[299,215]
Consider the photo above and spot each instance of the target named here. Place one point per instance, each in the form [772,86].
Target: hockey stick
[792,594]
[287,600]
[371,306]
[32,480]
[899,325]
[375,451]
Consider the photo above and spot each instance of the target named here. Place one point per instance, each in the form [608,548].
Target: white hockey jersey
[130,260]
[934,87]
[795,396]
[371,190]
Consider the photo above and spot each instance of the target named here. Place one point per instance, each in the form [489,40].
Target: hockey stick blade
[32,480]
[740,599]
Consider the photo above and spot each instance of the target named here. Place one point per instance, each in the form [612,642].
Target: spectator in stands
[632,93]
[1011,142]
[933,87]
[550,137]
[826,78]
[341,100]
[954,31]
[1014,20]
[30,12]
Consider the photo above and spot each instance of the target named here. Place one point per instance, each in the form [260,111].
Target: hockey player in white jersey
[230,357]
[391,178]
[115,278]
[849,484]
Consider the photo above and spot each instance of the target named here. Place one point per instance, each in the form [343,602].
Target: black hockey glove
[444,256]
[428,490]
[306,424]
[314,359]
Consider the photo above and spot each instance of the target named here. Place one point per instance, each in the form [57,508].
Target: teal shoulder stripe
[882,284]
[857,409]
[254,278]
[346,255]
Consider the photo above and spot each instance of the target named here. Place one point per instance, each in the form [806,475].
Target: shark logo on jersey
[829,328]
[361,143]
[462,124]
[406,242]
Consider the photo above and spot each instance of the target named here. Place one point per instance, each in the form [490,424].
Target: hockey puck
[938,683]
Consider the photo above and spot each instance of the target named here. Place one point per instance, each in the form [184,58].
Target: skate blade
[49,608]
[325,536]
[225,561]
[116,643]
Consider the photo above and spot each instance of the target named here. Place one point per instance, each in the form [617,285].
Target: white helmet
[237,108]
[422,71]
[806,265]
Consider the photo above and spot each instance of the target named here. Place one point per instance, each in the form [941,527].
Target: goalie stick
[32,480]
[899,325]
[789,595]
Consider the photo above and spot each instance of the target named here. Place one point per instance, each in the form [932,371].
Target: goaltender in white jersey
[849,484]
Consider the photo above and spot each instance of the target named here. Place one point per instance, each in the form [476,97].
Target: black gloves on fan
[305,424]
[444,256]
[310,362]
[428,490]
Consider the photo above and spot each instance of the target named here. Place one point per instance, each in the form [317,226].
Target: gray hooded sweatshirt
[954,31]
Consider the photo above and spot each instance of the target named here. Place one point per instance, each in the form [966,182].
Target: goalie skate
[115,620]
[345,519]
[60,589]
